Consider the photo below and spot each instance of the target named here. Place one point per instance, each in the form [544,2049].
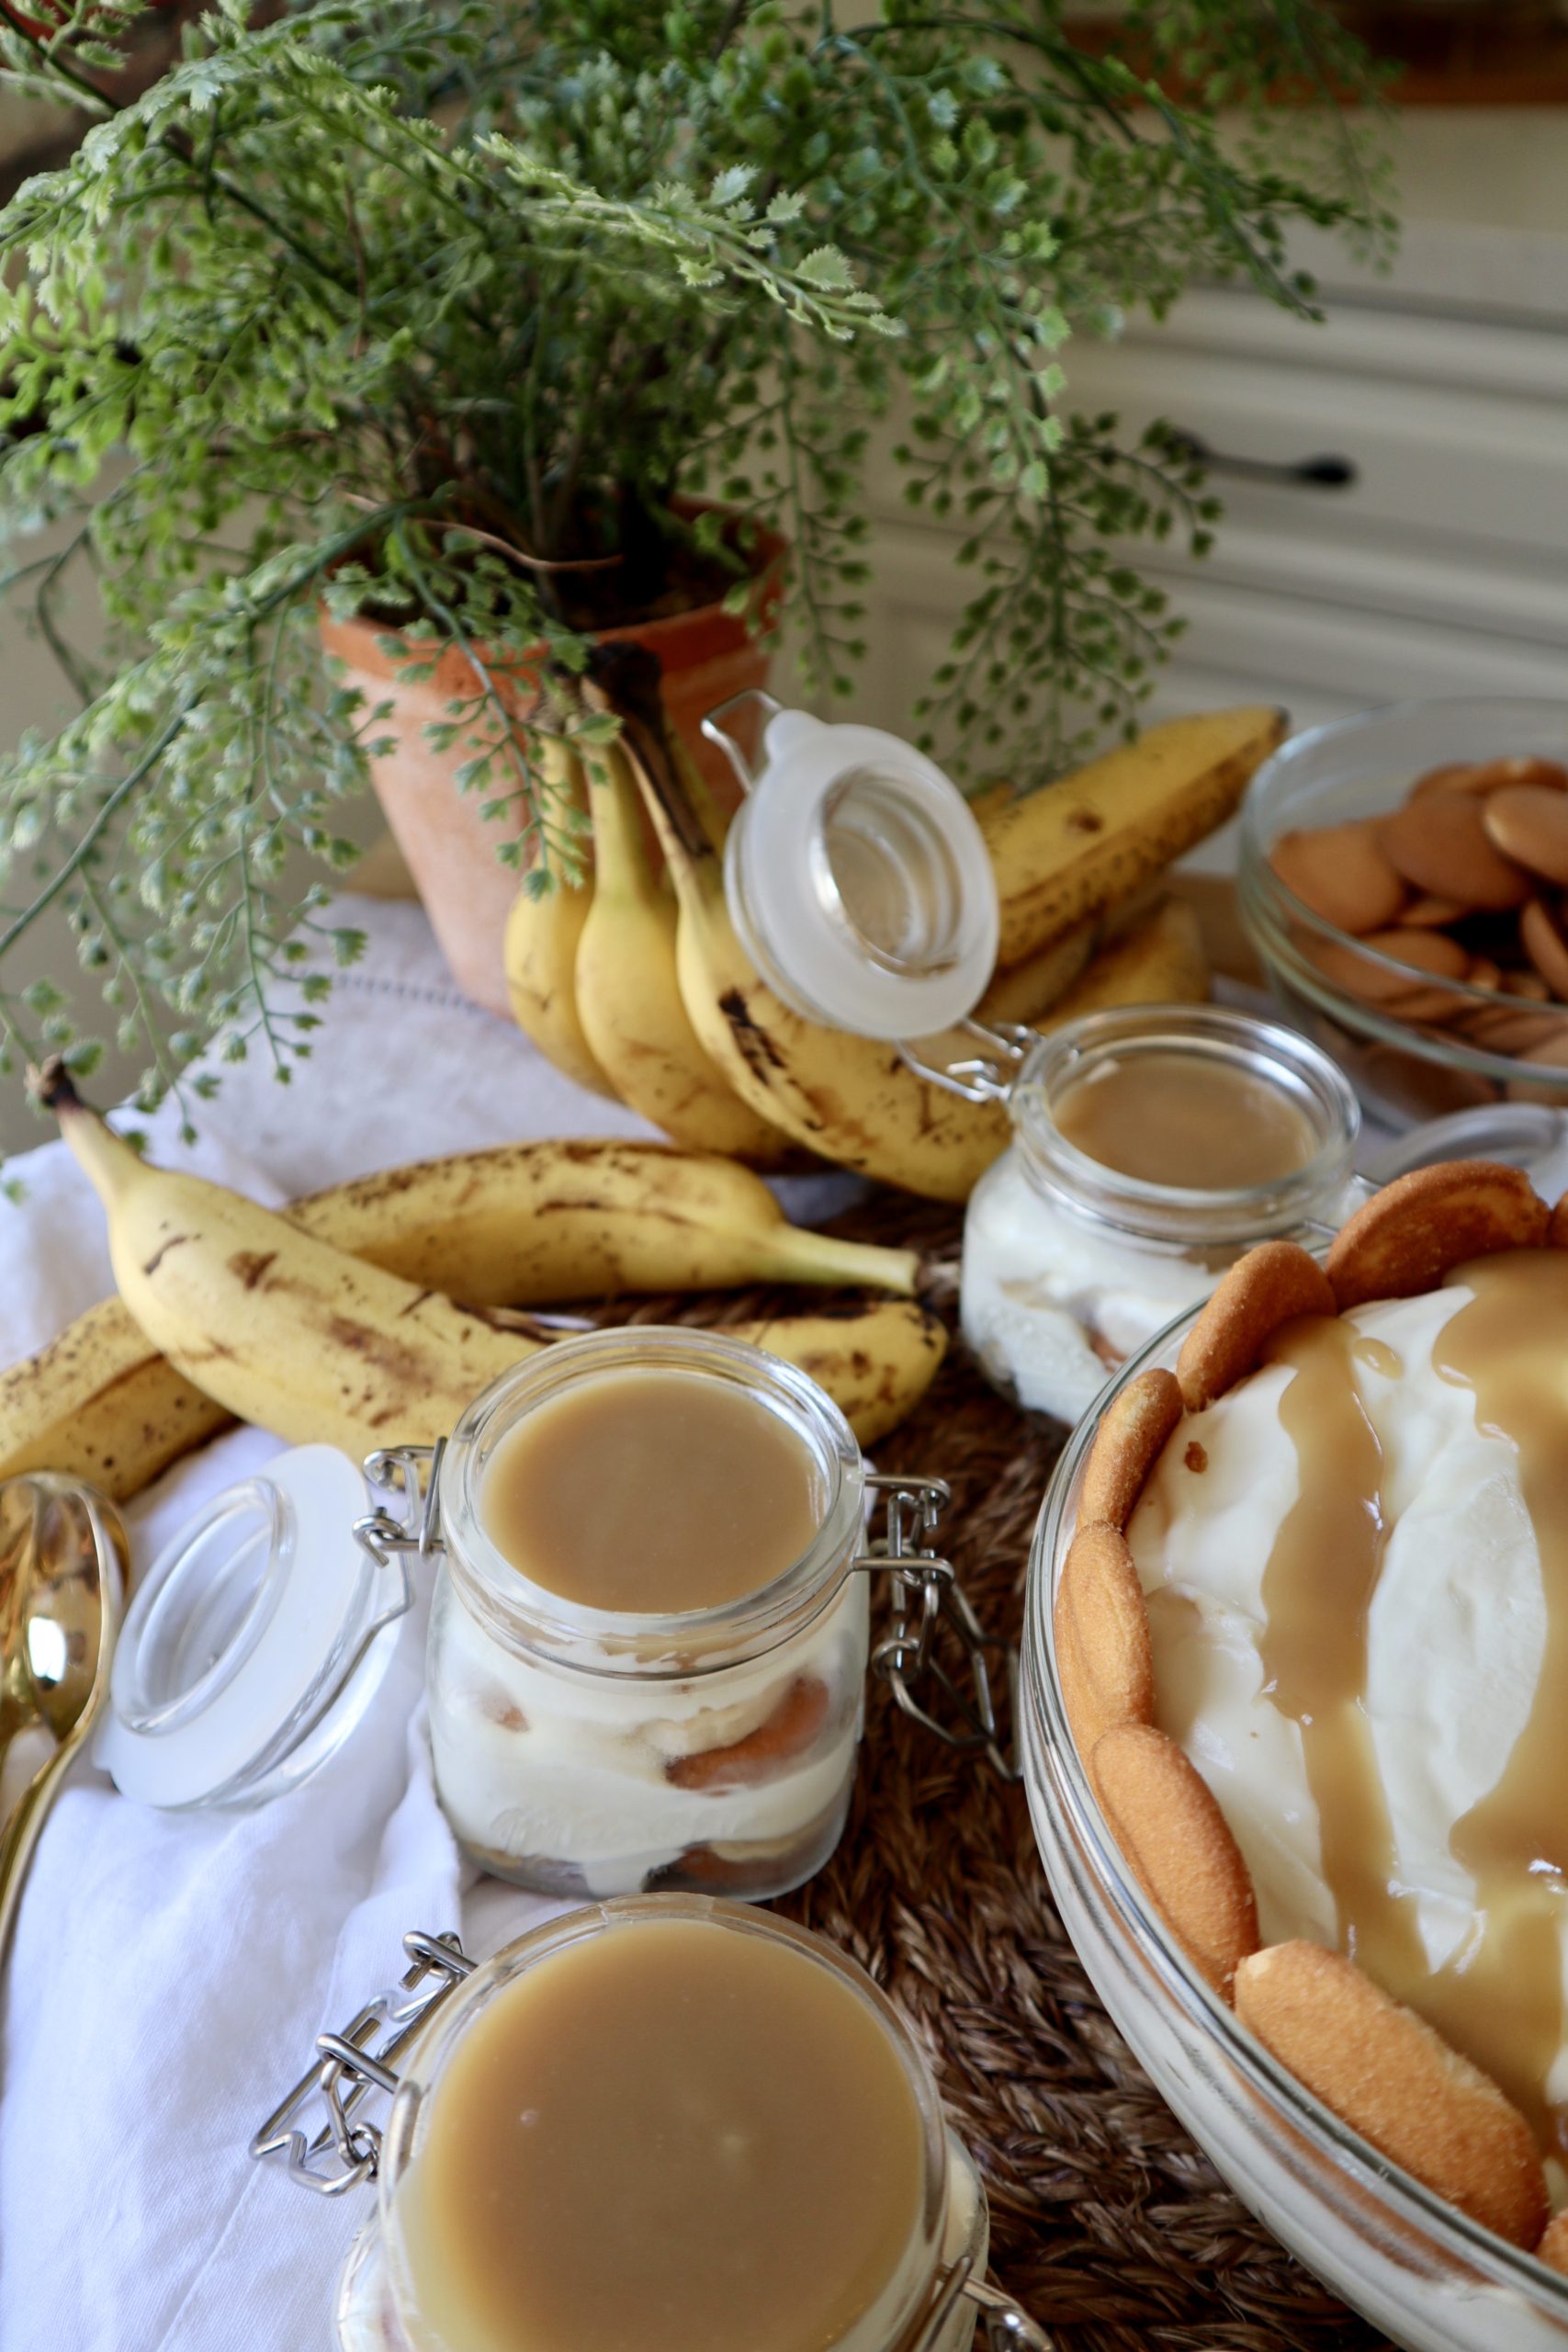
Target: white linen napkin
[170,1971]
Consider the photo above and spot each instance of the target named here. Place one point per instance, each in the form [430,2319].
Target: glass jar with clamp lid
[671,2121]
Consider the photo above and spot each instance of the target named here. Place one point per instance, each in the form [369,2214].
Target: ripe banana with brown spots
[527,1222]
[853,1099]
[628,998]
[1089,841]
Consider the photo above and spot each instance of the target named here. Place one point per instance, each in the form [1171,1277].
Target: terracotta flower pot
[451,849]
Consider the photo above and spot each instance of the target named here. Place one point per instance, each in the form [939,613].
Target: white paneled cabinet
[1442,567]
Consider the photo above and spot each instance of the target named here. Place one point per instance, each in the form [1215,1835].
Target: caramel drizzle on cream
[1500,1998]
[1317,1589]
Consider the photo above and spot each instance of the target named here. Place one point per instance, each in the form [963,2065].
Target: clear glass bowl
[1364,767]
[1413,2264]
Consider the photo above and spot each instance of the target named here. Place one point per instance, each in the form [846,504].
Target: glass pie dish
[1411,2263]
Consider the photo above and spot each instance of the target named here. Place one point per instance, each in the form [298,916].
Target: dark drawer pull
[1308,473]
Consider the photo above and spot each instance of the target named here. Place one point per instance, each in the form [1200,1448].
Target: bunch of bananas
[337,1319]
[634,984]
[368,1314]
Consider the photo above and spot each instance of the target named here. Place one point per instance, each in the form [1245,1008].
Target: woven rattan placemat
[1107,2223]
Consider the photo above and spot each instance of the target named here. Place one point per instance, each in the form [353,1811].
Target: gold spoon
[63,1566]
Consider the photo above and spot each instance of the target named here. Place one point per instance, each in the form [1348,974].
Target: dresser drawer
[1455,429]
[1439,568]
[1245,641]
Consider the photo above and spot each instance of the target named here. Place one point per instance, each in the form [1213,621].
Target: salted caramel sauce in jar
[1152,1147]
[648,1643]
[668,2122]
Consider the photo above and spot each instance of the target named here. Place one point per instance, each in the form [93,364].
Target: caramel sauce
[1503,2000]
[671,2137]
[1500,1998]
[1317,1589]
[647,1492]
[1186,1120]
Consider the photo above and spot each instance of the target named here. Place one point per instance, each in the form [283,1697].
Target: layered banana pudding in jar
[674,2124]
[649,1644]
[1151,1149]
[1312,1636]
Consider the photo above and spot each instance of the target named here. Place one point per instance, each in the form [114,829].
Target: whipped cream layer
[1448,1646]
[1051,1302]
[541,1764]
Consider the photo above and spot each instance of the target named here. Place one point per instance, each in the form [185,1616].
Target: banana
[539,1224]
[628,999]
[98,1403]
[542,935]
[522,1225]
[1085,842]
[1159,959]
[876,1360]
[275,1326]
[1023,992]
[853,1099]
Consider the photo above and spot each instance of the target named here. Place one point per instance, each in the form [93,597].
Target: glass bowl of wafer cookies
[1404,877]
[1294,1709]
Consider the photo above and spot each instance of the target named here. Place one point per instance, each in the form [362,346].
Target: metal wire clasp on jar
[889,2259]
[586,1751]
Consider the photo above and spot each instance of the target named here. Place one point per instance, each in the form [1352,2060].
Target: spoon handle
[19,1833]
[109,1554]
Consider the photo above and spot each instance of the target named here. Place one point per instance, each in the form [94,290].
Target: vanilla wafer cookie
[1553,2247]
[1269,1287]
[1413,1232]
[1133,1428]
[1384,2071]
[1101,1627]
[1179,1846]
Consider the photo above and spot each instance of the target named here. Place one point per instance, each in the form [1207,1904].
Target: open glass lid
[856,877]
[256,1640]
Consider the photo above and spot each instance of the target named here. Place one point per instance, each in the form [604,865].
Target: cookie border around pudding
[1369,2060]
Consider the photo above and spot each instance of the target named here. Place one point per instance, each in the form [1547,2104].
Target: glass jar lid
[857,878]
[250,1649]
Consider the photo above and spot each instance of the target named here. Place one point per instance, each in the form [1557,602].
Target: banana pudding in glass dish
[1296,1703]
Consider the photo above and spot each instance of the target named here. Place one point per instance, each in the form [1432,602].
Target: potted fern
[378,359]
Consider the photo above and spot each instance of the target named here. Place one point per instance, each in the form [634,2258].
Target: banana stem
[803,1256]
[104,1157]
[50,1085]
[625,680]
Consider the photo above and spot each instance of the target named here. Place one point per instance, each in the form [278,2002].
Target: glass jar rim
[1176,1213]
[421,2068]
[673,1642]
[1055,1777]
